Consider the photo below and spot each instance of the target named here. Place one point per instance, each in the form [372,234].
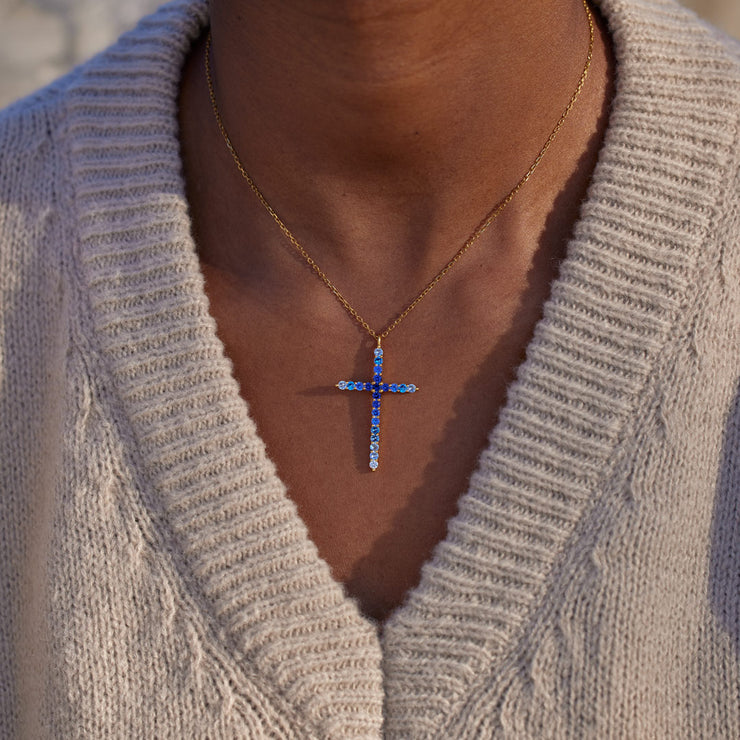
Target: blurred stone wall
[723,13]
[40,39]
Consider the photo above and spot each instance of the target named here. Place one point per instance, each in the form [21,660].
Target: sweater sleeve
[724,591]
[33,339]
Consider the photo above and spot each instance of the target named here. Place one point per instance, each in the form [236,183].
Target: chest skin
[375,529]
[290,342]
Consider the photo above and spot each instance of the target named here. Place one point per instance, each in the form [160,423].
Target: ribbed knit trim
[625,277]
[627,273]
[238,532]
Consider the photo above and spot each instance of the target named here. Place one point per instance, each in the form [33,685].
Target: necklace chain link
[488,219]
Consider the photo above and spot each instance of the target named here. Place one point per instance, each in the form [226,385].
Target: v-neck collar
[232,525]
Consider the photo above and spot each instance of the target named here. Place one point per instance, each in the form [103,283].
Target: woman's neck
[390,82]
[382,133]
[393,109]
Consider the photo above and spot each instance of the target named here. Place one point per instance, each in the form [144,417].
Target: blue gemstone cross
[378,388]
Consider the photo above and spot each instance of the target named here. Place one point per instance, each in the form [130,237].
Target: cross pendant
[378,388]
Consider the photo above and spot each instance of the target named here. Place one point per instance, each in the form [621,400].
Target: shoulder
[676,113]
[30,144]
[33,171]
[50,140]
[664,48]
[75,156]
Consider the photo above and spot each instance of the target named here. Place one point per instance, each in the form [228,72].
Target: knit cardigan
[156,580]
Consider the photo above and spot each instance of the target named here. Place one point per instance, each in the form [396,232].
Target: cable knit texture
[157,581]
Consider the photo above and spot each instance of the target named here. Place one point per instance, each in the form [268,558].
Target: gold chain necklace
[377,387]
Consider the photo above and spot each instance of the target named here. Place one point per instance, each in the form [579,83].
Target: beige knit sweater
[157,582]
